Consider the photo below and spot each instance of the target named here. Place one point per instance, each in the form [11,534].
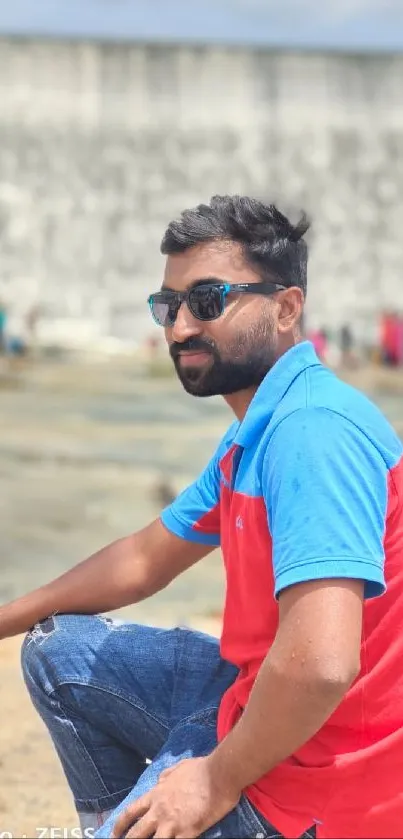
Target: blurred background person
[3,320]
[347,345]
[391,338]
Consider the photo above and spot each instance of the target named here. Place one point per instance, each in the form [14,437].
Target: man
[296,719]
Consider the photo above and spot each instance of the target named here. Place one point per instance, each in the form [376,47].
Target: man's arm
[311,665]
[124,572]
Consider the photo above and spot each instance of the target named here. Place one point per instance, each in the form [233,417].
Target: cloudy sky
[349,24]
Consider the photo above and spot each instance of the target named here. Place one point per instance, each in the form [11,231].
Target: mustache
[191,345]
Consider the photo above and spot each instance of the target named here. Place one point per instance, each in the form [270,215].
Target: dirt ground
[33,792]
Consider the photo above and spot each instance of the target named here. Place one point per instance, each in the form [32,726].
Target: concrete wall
[101,144]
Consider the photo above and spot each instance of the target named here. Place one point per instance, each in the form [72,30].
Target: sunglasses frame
[224,289]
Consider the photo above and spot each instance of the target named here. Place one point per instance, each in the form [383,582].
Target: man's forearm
[109,579]
[285,709]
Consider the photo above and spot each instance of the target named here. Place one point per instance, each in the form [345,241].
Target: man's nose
[186,325]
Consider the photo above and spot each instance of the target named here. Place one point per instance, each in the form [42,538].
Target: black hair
[270,242]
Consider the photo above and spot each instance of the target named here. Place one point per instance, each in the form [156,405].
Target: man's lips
[194,358]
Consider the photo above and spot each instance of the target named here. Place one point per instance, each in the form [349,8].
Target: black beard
[246,365]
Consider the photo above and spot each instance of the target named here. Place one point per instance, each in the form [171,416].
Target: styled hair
[270,244]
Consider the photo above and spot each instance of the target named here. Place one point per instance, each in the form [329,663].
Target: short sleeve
[325,488]
[195,513]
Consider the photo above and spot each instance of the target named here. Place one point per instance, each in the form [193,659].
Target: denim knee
[46,655]
[36,663]
[62,648]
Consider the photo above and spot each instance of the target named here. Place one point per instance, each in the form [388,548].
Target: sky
[334,24]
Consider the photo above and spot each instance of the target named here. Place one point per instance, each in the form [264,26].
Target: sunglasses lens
[164,308]
[206,302]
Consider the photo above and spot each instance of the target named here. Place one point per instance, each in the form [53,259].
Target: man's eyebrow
[166,288]
[199,281]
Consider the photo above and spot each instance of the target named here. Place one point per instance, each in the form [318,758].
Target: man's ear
[291,303]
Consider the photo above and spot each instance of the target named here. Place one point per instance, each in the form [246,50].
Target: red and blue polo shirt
[309,486]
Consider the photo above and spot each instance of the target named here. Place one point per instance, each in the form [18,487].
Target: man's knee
[35,667]
[51,650]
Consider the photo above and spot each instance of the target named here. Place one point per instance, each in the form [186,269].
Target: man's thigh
[201,675]
[133,682]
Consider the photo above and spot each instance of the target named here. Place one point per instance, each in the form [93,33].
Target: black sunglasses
[206,301]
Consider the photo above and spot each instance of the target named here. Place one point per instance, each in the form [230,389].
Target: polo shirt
[309,486]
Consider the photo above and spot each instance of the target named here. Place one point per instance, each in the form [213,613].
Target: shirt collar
[274,386]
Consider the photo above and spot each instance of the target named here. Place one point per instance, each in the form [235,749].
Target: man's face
[235,351]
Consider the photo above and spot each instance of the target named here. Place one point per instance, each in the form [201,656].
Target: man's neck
[239,402]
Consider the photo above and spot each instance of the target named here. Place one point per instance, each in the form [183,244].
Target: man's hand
[186,801]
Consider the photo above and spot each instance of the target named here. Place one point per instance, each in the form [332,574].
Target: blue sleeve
[325,488]
[195,513]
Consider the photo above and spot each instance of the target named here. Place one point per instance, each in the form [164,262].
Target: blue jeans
[122,702]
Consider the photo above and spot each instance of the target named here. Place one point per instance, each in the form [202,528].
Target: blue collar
[274,386]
